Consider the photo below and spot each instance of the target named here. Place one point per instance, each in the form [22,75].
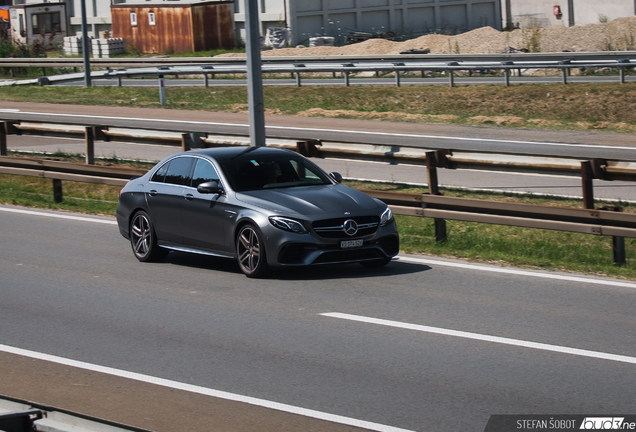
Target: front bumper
[305,250]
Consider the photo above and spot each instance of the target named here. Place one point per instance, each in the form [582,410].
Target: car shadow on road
[320,272]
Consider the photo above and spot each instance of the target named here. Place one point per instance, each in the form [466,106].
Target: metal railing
[344,65]
[589,220]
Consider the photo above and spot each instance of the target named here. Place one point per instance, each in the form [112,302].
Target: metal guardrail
[345,65]
[588,220]
[606,222]
[590,56]
[17,415]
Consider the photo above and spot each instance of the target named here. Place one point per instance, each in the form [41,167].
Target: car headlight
[287,224]
[387,217]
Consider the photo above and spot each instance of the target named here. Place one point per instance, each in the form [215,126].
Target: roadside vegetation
[606,106]
[530,248]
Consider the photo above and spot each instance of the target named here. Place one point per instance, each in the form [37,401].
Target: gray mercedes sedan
[264,207]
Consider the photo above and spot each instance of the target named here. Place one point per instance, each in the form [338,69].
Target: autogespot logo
[350,227]
[603,423]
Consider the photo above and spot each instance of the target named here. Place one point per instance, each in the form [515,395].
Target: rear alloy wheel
[143,239]
[250,252]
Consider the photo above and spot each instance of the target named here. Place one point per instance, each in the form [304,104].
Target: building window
[45,23]
[133,18]
[151,18]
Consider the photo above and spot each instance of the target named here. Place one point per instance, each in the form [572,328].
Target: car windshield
[252,171]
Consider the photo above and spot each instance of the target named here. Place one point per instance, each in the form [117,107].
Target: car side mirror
[336,176]
[211,187]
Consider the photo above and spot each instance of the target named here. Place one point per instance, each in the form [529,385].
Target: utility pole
[254,74]
[85,47]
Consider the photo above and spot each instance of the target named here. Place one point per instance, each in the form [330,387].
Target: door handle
[153,193]
[189,197]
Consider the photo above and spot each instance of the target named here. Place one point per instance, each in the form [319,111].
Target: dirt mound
[619,34]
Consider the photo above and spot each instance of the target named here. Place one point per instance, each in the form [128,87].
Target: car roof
[225,153]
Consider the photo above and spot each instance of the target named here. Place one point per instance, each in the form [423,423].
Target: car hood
[311,201]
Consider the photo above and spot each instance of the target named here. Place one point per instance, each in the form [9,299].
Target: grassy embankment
[577,106]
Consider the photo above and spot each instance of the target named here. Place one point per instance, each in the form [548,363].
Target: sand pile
[619,34]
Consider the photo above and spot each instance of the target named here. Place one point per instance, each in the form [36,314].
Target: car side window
[160,174]
[179,171]
[203,172]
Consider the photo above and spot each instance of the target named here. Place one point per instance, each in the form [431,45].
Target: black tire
[143,239]
[250,252]
[376,263]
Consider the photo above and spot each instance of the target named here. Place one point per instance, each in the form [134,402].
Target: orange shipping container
[164,28]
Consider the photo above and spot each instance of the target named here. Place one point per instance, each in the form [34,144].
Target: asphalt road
[519,141]
[459,342]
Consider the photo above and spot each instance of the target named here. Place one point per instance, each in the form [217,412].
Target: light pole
[85,47]
[254,75]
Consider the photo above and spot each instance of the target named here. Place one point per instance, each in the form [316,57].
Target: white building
[550,13]
[409,18]
[307,18]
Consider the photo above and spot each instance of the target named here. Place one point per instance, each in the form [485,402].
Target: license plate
[350,244]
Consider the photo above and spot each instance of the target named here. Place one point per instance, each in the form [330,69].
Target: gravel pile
[619,34]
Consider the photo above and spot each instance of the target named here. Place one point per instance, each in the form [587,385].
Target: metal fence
[344,66]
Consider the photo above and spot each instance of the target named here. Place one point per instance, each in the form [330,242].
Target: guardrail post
[162,91]
[185,143]
[431,171]
[205,80]
[346,76]
[622,74]
[433,188]
[397,78]
[618,245]
[58,195]
[10,129]
[507,77]
[3,139]
[587,176]
[118,80]
[89,137]
[451,78]
[298,84]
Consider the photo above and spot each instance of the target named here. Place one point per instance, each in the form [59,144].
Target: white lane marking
[427,261]
[485,338]
[59,216]
[344,131]
[9,110]
[202,390]
[413,260]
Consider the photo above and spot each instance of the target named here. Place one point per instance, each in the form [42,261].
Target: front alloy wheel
[143,239]
[250,251]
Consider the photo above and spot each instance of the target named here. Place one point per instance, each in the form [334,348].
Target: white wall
[539,13]
[403,17]
[98,17]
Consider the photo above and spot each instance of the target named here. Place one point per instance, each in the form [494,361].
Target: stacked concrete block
[72,45]
[104,48]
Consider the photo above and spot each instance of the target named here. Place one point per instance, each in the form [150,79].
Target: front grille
[334,228]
